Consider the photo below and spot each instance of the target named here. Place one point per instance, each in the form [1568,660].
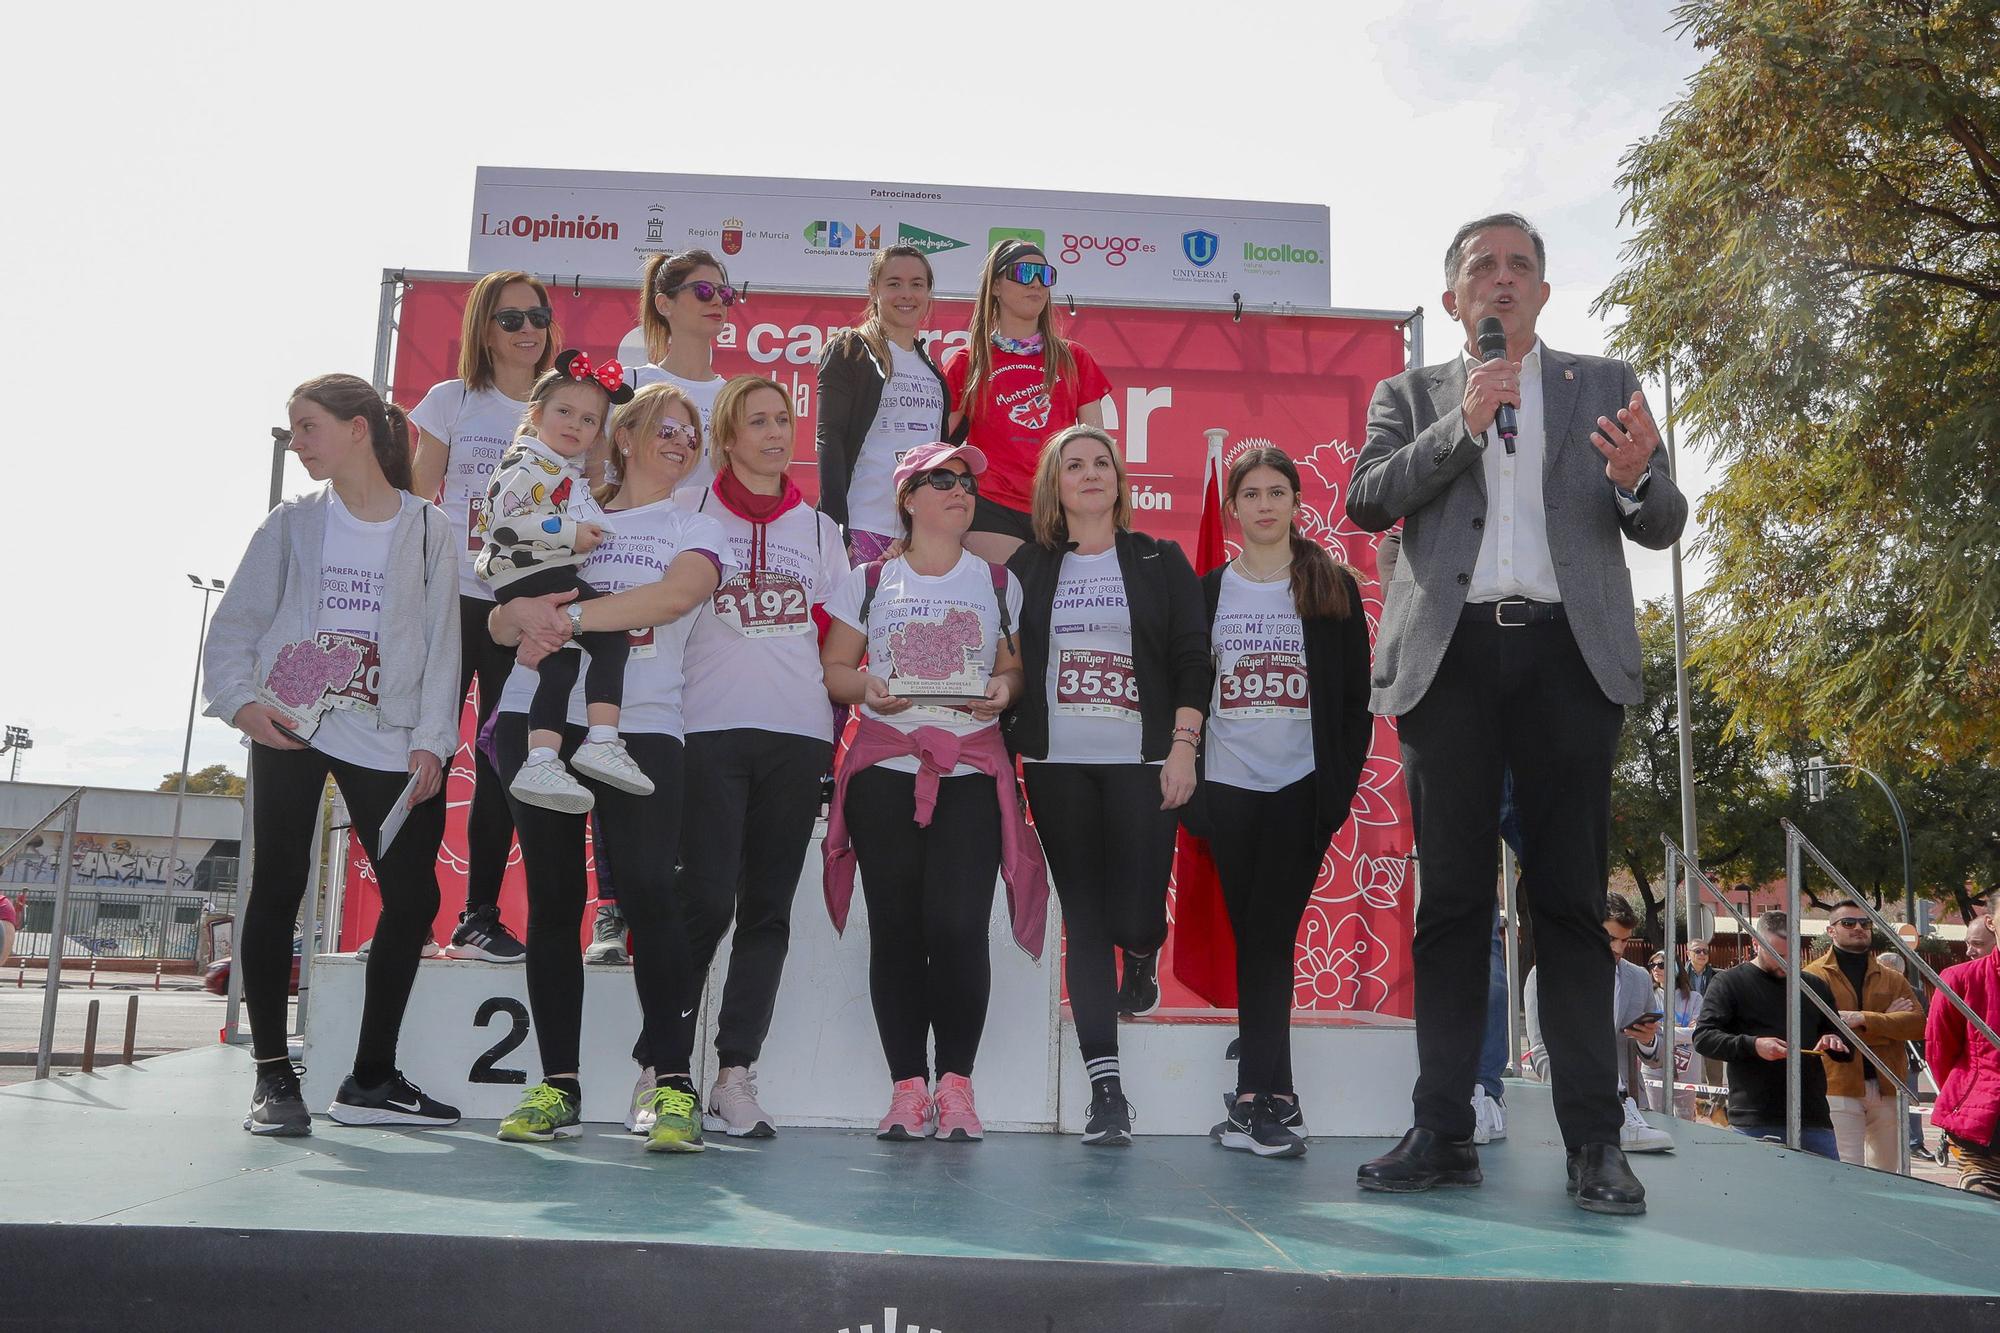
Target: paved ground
[169,1020]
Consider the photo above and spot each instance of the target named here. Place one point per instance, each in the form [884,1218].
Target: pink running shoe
[957,1122]
[909,1112]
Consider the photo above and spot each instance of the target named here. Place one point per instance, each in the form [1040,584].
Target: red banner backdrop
[1299,382]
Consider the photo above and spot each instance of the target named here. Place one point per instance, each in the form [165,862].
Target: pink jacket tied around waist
[938,752]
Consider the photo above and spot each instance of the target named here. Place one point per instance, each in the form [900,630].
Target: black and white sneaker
[1139,992]
[607,936]
[396,1102]
[277,1107]
[1290,1114]
[481,934]
[1108,1124]
[1258,1128]
[1235,1122]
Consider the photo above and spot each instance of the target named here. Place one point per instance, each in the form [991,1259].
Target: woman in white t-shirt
[926,790]
[1116,653]
[880,395]
[1288,733]
[335,652]
[759,730]
[658,563]
[463,426]
[684,305]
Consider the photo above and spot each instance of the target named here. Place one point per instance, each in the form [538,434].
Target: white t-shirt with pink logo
[1259,714]
[928,628]
[476,426]
[353,556]
[1092,693]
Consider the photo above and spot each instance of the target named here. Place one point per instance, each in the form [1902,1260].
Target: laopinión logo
[836,236]
[889,1324]
[929,242]
[1201,249]
[553,227]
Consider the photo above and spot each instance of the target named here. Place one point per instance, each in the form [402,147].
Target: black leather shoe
[1422,1160]
[1601,1182]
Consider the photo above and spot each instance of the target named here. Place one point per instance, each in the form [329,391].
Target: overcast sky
[203,197]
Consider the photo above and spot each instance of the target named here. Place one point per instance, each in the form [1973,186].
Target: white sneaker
[429,950]
[1637,1135]
[639,1115]
[549,785]
[1489,1117]
[611,764]
[732,1106]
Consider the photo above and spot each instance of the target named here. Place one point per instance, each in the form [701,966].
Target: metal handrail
[1794,989]
[69,808]
[20,843]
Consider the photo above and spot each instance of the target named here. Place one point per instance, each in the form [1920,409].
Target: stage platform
[132,1199]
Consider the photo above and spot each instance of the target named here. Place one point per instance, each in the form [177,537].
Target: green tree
[215,780]
[1817,253]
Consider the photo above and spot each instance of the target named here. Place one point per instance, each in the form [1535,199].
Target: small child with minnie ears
[534,548]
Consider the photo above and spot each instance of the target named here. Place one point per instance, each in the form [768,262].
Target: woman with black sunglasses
[926,790]
[683,308]
[463,426]
[1116,652]
[1014,384]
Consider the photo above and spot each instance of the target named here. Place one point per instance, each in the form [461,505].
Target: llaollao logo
[1286,253]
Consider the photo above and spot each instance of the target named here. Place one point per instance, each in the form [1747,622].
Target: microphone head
[1492,338]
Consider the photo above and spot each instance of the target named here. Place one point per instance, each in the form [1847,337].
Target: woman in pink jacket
[1967,1069]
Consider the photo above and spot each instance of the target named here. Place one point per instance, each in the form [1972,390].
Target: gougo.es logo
[1114,249]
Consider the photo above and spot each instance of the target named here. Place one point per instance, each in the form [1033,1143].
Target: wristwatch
[1637,491]
[575,613]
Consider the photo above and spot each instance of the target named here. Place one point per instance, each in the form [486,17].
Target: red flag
[1204,958]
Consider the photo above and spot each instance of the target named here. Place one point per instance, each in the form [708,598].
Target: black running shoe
[1290,1114]
[481,934]
[1264,1134]
[1108,1124]
[1139,992]
[396,1102]
[277,1107]
[1234,1127]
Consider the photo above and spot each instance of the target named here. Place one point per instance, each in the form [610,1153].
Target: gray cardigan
[270,604]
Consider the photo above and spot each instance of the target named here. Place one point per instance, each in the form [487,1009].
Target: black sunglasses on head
[943,479]
[511,319]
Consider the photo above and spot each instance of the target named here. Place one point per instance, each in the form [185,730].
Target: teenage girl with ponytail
[344,611]
[684,306]
[880,395]
[1016,383]
[1287,736]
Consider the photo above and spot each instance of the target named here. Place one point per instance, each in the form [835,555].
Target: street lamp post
[17,740]
[207,590]
[1816,790]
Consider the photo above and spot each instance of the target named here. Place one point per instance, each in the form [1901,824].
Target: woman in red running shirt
[1015,384]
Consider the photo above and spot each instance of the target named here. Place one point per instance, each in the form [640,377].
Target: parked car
[216,979]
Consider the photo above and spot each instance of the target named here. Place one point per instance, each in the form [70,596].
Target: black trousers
[648,838]
[289,787]
[930,895]
[752,799]
[1110,850]
[1519,699]
[603,679]
[1268,847]
[489,824]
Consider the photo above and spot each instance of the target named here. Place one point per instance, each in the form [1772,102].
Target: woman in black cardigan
[1116,661]
[1287,737]
[880,395]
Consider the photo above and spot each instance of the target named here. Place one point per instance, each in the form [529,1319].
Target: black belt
[1512,613]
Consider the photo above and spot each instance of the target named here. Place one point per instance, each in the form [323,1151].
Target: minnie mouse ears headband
[610,376]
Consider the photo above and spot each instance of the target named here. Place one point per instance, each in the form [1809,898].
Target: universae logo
[1201,247]
[889,1325]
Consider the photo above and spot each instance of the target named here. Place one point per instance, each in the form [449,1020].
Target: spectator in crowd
[1686,1008]
[1979,938]
[10,922]
[1967,1069]
[1743,1024]
[1699,971]
[1878,1004]
[1635,1018]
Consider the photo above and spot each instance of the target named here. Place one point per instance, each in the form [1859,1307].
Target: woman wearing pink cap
[925,797]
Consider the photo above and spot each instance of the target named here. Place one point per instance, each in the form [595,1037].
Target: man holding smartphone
[1743,1023]
[1632,1015]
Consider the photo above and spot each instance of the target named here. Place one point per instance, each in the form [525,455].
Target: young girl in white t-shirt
[533,549]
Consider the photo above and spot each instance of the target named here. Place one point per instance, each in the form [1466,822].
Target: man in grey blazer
[1508,643]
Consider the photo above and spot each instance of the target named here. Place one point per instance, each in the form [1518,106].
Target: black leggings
[603,680]
[289,784]
[1110,850]
[929,893]
[749,824]
[489,825]
[648,835]
[1268,846]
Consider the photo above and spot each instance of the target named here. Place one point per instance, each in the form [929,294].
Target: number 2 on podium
[482,1068]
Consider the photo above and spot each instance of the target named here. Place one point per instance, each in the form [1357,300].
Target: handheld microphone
[1493,347]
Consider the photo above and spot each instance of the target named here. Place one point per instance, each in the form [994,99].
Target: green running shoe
[544,1115]
[675,1126]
